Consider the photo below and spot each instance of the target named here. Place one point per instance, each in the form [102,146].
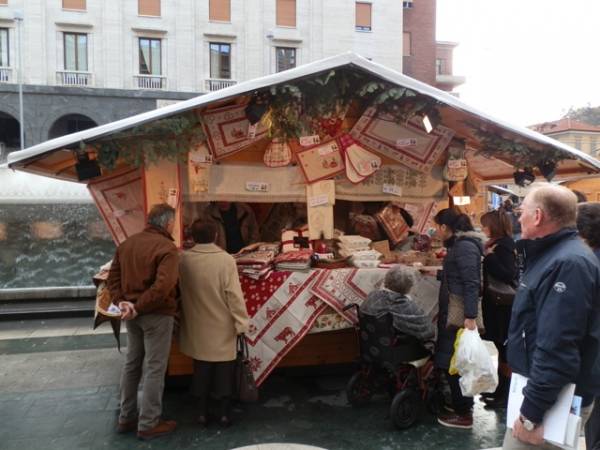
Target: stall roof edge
[18,159]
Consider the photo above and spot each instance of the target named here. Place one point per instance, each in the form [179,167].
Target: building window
[149,8]
[578,142]
[76,57]
[150,58]
[406,44]
[407,4]
[363,16]
[219,11]
[286,13]
[439,66]
[78,5]
[220,60]
[4,60]
[285,58]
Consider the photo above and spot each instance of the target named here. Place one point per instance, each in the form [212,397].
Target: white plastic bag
[474,365]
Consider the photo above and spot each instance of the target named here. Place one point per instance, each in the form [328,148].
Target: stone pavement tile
[15,408]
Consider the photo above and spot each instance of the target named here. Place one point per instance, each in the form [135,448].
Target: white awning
[21,159]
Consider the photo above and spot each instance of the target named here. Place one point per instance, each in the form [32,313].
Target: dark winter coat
[500,264]
[554,335]
[461,275]
[408,316]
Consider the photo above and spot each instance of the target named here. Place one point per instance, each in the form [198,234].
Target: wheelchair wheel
[359,390]
[404,410]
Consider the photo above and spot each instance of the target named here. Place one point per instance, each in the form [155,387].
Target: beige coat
[213,307]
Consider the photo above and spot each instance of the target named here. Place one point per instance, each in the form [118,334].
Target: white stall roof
[22,159]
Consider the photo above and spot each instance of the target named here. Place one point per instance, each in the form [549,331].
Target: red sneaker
[126,427]
[456,421]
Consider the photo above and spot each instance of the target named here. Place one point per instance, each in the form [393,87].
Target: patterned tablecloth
[287,305]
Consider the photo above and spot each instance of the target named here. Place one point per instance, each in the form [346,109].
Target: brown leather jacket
[144,271]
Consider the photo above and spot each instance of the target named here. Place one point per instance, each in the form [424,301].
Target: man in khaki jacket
[142,282]
[213,314]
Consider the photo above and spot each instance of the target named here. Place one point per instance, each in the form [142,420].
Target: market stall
[337,136]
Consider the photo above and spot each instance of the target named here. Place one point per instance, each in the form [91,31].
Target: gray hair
[400,279]
[558,202]
[160,215]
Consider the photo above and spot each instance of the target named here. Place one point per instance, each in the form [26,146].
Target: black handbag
[499,292]
[245,386]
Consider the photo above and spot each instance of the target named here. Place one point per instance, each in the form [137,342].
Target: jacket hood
[477,235]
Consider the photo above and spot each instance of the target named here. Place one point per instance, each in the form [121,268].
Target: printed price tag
[173,197]
[252,131]
[257,186]
[392,189]
[318,200]
[457,163]
[201,158]
[307,141]
[118,213]
[406,142]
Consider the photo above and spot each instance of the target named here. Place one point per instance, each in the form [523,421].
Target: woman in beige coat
[213,314]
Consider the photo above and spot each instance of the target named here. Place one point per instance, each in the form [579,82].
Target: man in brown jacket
[142,282]
[213,314]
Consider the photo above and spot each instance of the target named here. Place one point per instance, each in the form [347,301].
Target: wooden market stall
[332,134]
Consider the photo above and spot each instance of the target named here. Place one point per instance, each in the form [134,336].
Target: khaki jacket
[213,308]
[144,271]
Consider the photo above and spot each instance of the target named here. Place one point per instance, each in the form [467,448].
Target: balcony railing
[214,84]
[150,81]
[74,78]
[5,75]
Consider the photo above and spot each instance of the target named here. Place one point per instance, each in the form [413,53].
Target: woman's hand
[470,324]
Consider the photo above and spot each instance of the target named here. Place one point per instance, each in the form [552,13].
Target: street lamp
[18,16]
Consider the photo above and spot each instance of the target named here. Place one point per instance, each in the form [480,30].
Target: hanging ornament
[199,164]
[456,168]
[278,154]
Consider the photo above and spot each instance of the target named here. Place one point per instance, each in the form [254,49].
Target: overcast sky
[526,61]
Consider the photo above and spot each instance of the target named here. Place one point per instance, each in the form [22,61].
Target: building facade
[583,136]
[89,62]
[424,58]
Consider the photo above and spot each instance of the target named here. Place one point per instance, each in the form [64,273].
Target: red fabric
[257,292]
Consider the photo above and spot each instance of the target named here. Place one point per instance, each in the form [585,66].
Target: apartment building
[89,62]
[581,135]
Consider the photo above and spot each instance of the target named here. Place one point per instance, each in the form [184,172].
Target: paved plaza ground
[59,390]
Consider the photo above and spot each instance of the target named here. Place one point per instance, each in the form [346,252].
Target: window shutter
[149,8]
[220,10]
[73,4]
[286,13]
[363,16]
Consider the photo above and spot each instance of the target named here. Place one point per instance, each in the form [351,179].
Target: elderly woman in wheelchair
[396,343]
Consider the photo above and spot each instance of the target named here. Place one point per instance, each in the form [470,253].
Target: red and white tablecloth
[284,307]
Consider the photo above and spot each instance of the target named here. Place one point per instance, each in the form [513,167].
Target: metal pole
[19,19]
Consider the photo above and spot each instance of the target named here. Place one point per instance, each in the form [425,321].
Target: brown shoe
[162,428]
[456,421]
[126,427]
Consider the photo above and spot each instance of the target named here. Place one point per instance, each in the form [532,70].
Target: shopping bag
[472,361]
[245,385]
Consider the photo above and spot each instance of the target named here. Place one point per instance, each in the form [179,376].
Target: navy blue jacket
[554,335]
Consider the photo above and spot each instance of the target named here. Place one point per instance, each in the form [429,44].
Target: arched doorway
[9,135]
[71,123]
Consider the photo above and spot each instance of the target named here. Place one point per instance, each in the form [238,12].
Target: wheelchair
[396,363]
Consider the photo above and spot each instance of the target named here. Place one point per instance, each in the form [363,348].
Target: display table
[297,318]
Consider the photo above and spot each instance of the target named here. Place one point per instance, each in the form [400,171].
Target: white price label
[173,197]
[307,141]
[118,213]
[318,200]
[252,131]
[457,163]
[257,186]
[328,149]
[202,158]
[406,142]
[393,189]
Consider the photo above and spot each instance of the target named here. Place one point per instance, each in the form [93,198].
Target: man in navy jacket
[554,335]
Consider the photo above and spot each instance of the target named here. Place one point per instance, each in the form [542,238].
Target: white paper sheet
[555,420]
